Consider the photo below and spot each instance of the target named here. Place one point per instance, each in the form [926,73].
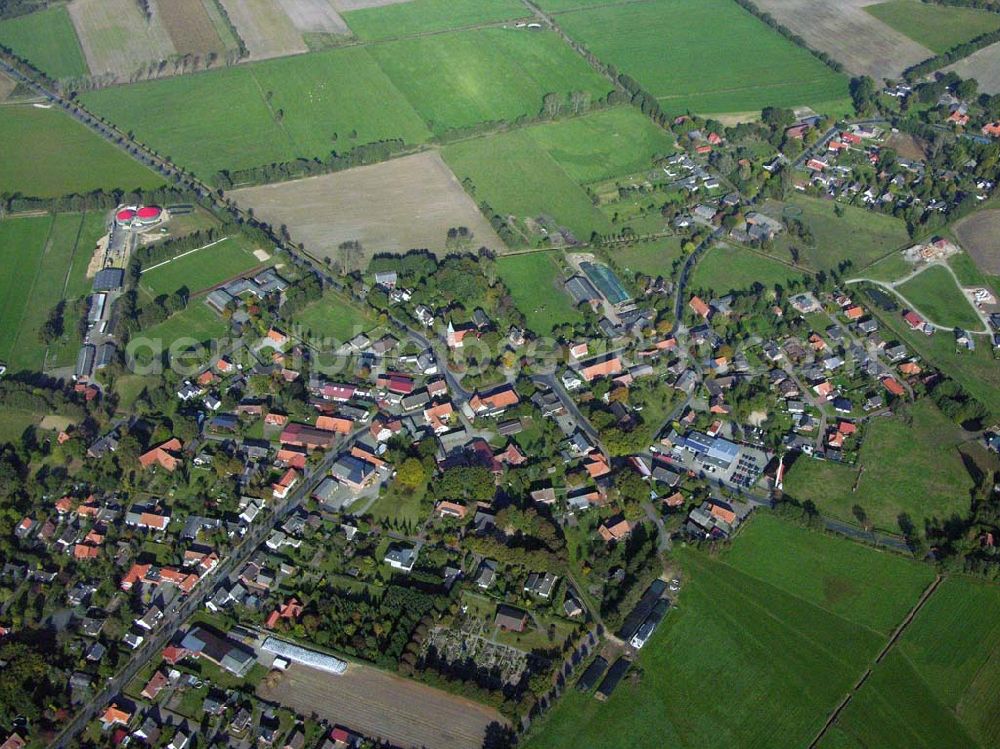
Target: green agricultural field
[423,16]
[706,56]
[48,40]
[460,79]
[969,274]
[47,154]
[749,659]
[535,283]
[276,110]
[725,268]
[934,293]
[604,144]
[333,317]
[939,687]
[200,270]
[653,258]
[840,576]
[911,465]
[859,236]
[516,177]
[937,27]
[22,247]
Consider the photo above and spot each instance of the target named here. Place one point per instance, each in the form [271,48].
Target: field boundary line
[183,254]
[907,620]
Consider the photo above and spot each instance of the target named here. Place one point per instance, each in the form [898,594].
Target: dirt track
[850,35]
[398,205]
[375,703]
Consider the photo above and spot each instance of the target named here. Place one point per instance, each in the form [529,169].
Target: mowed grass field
[48,154]
[940,687]
[725,268]
[706,56]
[423,16]
[198,323]
[911,465]
[765,641]
[860,236]
[46,259]
[535,283]
[48,40]
[200,270]
[334,317]
[459,79]
[604,144]
[934,293]
[225,119]
[541,170]
[937,27]
[515,176]
[653,258]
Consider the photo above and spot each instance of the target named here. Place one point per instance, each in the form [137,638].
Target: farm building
[589,678]
[615,674]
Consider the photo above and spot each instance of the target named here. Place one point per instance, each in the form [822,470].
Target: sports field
[859,236]
[535,283]
[422,16]
[937,27]
[706,56]
[940,687]
[911,465]
[726,268]
[200,270]
[459,79]
[277,110]
[48,40]
[517,177]
[47,154]
[934,293]
[749,659]
[395,206]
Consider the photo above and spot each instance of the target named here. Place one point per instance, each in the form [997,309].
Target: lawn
[14,422]
[653,258]
[200,270]
[516,177]
[934,293]
[859,236]
[423,16]
[725,268]
[535,283]
[937,27]
[604,144]
[749,659]
[48,154]
[276,110]
[940,686]
[460,79]
[48,40]
[706,56]
[334,317]
[911,465]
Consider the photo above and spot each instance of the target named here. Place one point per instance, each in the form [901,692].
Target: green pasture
[725,268]
[424,16]
[536,285]
[937,27]
[47,40]
[934,293]
[653,257]
[334,317]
